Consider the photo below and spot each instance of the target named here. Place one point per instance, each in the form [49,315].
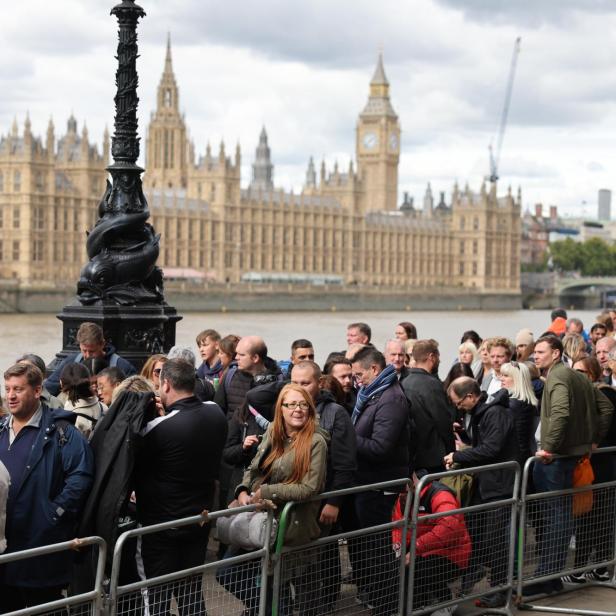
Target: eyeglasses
[293,406]
[459,402]
[156,371]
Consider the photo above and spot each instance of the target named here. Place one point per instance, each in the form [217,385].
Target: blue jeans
[556,512]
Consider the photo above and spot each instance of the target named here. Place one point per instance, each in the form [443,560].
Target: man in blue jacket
[51,470]
[91,341]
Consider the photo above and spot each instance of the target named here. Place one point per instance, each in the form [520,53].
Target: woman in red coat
[443,545]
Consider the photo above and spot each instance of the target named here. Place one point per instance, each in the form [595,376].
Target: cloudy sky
[302,70]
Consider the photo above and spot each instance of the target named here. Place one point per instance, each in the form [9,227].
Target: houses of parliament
[345,227]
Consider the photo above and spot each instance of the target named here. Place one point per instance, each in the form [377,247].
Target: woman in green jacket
[289,465]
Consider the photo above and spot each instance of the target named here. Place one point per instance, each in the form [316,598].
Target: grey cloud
[528,13]
[341,34]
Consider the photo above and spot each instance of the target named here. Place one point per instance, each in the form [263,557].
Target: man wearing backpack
[51,470]
[91,341]
[252,365]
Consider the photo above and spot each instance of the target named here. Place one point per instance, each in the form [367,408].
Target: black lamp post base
[136,332]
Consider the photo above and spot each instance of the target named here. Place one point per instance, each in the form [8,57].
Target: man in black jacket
[177,469]
[251,364]
[381,420]
[342,450]
[431,411]
[490,432]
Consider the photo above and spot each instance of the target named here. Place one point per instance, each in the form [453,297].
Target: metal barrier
[455,574]
[317,571]
[85,604]
[556,546]
[318,577]
[231,586]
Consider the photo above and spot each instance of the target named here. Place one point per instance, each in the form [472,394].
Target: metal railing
[490,527]
[196,588]
[556,546]
[315,569]
[353,569]
[85,604]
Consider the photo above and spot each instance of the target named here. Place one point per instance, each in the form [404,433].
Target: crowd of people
[93,447]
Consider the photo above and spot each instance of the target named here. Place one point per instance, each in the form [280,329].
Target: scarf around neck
[380,383]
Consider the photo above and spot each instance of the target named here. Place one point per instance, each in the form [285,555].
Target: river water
[42,334]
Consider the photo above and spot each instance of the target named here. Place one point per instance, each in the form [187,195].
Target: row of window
[10,250]
[40,184]
[63,220]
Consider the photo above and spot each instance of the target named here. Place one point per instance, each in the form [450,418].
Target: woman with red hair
[289,465]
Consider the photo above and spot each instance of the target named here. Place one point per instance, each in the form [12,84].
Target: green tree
[566,255]
[598,258]
[594,257]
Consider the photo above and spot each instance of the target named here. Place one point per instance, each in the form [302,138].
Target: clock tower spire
[378,145]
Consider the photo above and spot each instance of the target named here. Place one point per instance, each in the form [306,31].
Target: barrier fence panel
[85,604]
[458,555]
[567,538]
[229,587]
[350,572]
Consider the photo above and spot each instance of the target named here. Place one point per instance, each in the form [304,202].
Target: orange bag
[583,475]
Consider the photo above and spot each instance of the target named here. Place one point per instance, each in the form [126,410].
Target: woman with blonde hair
[516,378]
[574,348]
[289,465]
[136,383]
[469,355]
[484,357]
[152,367]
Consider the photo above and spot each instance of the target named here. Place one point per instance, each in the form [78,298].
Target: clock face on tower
[393,141]
[370,140]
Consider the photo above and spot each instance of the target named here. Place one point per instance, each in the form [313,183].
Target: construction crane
[495,155]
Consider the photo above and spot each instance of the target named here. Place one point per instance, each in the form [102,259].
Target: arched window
[167,98]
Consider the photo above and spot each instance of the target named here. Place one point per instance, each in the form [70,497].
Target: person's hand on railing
[448,460]
[77,544]
[546,456]
[205,515]
[329,514]
[243,498]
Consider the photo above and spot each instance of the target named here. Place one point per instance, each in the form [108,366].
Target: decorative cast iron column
[123,247]
[120,287]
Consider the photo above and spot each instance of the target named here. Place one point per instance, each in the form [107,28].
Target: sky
[303,70]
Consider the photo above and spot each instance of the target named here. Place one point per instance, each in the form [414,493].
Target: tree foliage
[594,257]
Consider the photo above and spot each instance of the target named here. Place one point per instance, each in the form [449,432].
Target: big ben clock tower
[378,145]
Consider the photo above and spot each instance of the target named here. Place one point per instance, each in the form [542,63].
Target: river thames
[42,334]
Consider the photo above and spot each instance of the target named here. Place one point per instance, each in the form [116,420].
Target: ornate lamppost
[120,287]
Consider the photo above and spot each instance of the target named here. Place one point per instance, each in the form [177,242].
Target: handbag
[246,530]
[583,475]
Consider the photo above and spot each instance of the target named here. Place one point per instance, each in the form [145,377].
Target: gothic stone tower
[262,168]
[166,143]
[378,146]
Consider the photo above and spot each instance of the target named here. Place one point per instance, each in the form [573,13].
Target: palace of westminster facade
[345,224]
